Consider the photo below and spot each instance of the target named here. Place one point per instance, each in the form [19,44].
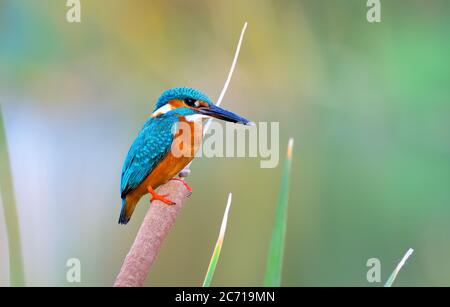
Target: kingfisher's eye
[191,102]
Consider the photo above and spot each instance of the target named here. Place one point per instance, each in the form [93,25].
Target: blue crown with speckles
[181,93]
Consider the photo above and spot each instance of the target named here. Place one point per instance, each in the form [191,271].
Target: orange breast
[188,141]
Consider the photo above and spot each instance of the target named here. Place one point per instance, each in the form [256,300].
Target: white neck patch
[163,110]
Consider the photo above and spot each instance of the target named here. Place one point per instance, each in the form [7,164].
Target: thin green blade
[402,262]
[217,249]
[16,273]
[276,249]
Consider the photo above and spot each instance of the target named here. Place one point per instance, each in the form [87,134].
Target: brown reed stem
[155,227]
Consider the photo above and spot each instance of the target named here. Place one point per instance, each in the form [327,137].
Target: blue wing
[150,147]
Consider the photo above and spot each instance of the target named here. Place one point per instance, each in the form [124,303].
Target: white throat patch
[195,117]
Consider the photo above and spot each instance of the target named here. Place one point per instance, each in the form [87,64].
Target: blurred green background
[368,105]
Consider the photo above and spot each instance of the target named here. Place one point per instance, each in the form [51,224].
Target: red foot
[156,196]
[184,183]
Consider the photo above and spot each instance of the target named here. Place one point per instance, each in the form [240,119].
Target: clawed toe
[162,198]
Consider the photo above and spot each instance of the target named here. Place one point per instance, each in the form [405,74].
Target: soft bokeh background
[368,105]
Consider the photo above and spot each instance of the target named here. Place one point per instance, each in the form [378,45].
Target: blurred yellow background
[367,103]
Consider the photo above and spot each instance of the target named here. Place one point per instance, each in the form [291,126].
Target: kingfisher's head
[192,105]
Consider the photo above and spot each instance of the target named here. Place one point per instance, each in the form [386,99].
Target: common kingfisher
[150,162]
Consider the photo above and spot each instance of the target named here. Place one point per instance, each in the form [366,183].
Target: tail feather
[126,212]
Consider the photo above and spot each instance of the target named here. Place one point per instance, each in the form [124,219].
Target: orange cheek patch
[176,103]
[203,104]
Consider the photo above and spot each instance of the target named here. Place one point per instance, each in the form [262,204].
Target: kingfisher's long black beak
[219,113]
